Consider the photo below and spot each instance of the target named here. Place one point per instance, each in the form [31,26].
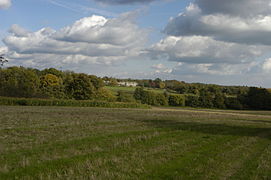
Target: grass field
[97,143]
[115,89]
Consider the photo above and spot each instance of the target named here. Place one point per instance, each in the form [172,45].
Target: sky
[206,41]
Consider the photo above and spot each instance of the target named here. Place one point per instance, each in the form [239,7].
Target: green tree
[138,93]
[192,100]
[81,87]
[219,101]
[258,98]
[52,86]
[18,82]
[3,60]
[125,97]
[105,95]
[176,100]
[161,99]
[162,85]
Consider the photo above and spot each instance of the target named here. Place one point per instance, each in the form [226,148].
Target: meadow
[158,143]
[131,90]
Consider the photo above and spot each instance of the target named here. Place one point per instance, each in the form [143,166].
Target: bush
[58,102]
[150,97]
[192,100]
[161,100]
[233,103]
[125,97]
[176,100]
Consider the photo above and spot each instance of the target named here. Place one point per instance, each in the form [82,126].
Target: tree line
[55,84]
[255,98]
[51,83]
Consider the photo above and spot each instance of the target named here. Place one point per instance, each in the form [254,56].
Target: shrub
[125,97]
[233,103]
[192,100]
[58,102]
[176,100]
[161,99]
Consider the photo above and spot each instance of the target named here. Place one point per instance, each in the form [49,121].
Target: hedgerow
[61,102]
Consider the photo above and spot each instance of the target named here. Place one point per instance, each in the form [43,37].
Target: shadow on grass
[256,121]
[212,129]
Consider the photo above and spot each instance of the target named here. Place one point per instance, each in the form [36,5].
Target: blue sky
[209,41]
[36,14]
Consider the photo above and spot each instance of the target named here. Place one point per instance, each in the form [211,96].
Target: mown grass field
[97,143]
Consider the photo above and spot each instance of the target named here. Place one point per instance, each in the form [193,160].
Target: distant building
[126,83]
[107,82]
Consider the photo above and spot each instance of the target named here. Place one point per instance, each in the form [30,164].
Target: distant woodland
[55,84]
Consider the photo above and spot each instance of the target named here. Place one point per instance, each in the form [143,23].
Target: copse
[192,100]
[150,97]
[51,83]
[18,82]
[176,100]
[257,98]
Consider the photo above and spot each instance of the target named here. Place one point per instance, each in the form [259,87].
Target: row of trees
[256,98]
[51,83]
[182,87]
[205,99]
[158,99]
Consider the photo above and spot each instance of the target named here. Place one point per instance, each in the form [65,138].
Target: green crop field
[99,143]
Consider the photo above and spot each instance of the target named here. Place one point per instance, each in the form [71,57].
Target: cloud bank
[93,39]
[218,37]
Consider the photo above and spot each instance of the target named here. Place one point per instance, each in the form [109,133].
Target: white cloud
[215,69]
[158,66]
[161,69]
[3,50]
[200,49]
[18,31]
[4,4]
[218,40]
[97,29]
[267,65]
[223,26]
[92,39]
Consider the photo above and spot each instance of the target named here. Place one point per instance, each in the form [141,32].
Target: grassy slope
[115,89]
[96,143]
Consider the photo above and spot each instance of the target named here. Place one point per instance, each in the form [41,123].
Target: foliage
[3,60]
[55,84]
[233,103]
[192,100]
[161,99]
[52,86]
[257,98]
[124,96]
[176,100]
[106,95]
[150,97]
[81,87]
[74,103]
[18,82]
